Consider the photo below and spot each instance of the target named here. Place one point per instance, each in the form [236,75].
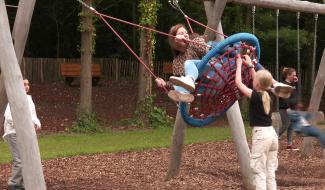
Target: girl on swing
[187,54]
[302,127]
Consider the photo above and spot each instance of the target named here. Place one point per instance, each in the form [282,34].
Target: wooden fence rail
[47,70]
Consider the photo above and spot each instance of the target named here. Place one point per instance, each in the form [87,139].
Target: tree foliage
[56,22]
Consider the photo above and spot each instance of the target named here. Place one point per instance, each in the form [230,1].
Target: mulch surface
[211,165]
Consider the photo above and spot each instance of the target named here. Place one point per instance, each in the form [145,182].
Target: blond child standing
[264,153]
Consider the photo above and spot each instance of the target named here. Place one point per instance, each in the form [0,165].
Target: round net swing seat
[215,90]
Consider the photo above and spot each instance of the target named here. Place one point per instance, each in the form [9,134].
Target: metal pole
[314,54]
[277,46]
[298,54]
[277,53]
[253,18]
[12,6]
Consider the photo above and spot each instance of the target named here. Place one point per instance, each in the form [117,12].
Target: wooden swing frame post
[11,85]
[232,114]
[214,12]
[306,7]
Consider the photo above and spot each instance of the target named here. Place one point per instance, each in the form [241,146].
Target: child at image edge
[16,179]
[264,153]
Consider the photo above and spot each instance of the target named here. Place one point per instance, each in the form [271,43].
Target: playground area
[109,125]
[212,165]
[204,166]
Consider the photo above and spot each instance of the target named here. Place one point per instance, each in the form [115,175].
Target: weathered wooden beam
[288,5]
[315,100]
[214,12]
[19,36]
[26,135]
[176,148]
[316,95]
[21,26]
[237,127]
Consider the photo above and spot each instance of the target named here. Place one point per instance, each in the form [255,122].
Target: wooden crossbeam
[288,5]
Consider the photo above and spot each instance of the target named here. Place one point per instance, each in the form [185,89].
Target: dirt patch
[204,166]
[57,103]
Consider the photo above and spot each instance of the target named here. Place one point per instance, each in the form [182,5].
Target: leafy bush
[86,123]
[148,115]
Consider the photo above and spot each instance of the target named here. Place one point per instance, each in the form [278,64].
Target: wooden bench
[72,70]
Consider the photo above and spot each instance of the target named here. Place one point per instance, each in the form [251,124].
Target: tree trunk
[145,82]
[86,60]
[233,114]
[19,35]
[12,78]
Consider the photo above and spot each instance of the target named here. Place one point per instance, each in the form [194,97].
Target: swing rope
[277,75]
[146,28]
[253,18]
[298,52]
[102,16]
[127,46]
[205,26]
[215,89]
[277,45]
[122,40]
[314,52]
[175,5]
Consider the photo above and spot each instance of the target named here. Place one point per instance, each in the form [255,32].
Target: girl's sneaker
[185,82]
[282,90]
[291,147]
[180,97]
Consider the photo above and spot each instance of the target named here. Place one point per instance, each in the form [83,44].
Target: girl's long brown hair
[286,71]
[175,47]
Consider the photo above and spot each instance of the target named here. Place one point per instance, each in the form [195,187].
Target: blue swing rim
[218,49]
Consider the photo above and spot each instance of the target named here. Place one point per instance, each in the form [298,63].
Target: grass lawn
[65,145]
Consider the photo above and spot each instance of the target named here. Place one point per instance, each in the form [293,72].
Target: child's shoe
[180,97]
[291,147]
[282,90]
[185,82]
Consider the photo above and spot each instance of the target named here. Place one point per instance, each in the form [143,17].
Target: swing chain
[298,15]
[86,5]
[175,5]
[253,18]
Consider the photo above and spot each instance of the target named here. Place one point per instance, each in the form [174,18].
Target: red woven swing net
[216,90]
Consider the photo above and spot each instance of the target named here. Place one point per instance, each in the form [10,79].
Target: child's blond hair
[264,79]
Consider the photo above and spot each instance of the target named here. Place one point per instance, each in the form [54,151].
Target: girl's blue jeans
[190,68]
